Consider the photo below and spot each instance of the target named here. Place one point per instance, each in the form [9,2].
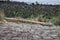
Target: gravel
[23,31]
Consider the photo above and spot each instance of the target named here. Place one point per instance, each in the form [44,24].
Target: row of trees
[4,0]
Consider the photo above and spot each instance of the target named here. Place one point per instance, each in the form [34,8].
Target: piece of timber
[27,21]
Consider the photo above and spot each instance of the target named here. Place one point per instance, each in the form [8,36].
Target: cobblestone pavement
[22,31]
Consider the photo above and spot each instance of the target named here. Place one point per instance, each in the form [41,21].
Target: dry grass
[2,16]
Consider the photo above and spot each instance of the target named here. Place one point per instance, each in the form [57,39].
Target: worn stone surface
[13,31]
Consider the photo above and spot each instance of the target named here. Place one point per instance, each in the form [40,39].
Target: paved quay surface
[23,31]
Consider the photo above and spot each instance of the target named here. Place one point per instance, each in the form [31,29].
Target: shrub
[56,20]
[41,18]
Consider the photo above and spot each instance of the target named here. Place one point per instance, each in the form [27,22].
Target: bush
[56,20]
[41,18]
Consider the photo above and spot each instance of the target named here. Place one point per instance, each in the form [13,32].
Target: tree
[37,3]
[8,0]
[32,3]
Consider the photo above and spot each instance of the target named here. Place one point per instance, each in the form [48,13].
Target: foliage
[56,20]
[42,18]
[40,12]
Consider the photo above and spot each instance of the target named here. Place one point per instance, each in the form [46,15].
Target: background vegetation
[39,12]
